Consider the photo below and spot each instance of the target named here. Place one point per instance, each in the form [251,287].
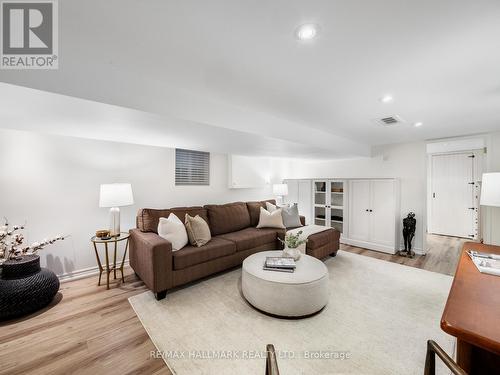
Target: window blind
[192,167]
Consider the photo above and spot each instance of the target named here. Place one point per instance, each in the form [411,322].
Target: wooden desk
[472,314]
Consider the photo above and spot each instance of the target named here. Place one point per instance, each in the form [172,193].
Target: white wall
[492,225]
[52,182]
[407,162]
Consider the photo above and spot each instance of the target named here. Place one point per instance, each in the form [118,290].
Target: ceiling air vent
[389,121]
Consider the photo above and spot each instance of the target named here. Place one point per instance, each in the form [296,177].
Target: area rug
[377,321]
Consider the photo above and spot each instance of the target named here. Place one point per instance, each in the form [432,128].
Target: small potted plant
[292,243]
[25,286]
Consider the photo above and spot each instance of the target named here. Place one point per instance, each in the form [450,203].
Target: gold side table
[108,269]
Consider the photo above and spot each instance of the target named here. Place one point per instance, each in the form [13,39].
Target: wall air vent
[389,121]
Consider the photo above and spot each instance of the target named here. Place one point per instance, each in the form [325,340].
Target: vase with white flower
[292,243]
[25,286]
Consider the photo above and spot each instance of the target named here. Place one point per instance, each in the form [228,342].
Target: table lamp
[115,196]
[281,191]
[490,190]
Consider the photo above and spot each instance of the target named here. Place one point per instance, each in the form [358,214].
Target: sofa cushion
[250,238]
[225,218]
[191,255]
[148,218]
[320,239]
[254,210]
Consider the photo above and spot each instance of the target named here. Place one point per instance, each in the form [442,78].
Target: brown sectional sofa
[234,237]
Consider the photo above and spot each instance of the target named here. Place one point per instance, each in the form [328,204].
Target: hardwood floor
[92,330]
[442,256]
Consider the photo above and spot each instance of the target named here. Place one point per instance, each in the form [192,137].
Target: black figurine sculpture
[409,224]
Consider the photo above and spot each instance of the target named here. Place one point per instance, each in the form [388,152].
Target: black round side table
[25,287]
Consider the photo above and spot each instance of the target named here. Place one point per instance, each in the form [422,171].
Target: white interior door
[452,195]
[382,208]
[359,206]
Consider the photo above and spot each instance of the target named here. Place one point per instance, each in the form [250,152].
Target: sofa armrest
[302,220]
[151,258]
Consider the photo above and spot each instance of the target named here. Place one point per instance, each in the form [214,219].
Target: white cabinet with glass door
[329,203]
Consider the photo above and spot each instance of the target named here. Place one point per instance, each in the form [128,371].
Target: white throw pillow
[173,230]
[270,219]
[271,207]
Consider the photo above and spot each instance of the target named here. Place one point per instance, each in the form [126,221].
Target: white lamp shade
[280,189]
[490,189]
[116,195]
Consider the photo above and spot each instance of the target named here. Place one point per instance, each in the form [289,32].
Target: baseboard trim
[418,251]
[82,273]
[369,245]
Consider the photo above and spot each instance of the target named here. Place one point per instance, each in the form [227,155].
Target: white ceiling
[236,66]
[41,111]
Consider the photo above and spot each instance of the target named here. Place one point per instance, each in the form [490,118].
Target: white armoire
[373,214]
[365,211]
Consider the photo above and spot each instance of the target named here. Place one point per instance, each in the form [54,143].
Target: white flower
[35,245]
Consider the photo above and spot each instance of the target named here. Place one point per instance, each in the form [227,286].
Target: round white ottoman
[300,293]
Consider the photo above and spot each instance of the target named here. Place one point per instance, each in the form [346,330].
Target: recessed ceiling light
[418,124]
[386,99]
[306,32]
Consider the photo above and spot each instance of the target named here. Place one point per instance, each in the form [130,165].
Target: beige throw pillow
[270,219]
[197,230]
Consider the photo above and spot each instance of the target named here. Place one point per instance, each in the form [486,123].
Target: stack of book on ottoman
[280,264]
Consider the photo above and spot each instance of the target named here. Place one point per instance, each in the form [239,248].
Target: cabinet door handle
[367,210]
[371,210]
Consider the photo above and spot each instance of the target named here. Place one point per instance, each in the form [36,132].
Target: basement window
[192,167]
